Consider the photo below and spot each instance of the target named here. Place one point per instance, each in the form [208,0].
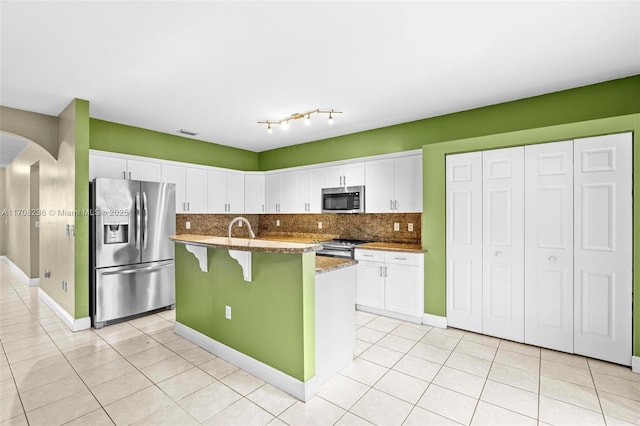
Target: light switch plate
[227,312]
[187,225]
[278,222]
[319,225]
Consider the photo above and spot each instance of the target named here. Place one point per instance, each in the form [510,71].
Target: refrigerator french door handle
[145,230]
[137,220]
[136,270]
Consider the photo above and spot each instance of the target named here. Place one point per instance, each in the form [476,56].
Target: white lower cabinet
[390,283]
[538,245]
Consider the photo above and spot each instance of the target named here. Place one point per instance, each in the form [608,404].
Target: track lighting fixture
[284,123]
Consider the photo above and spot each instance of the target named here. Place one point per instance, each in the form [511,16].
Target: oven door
[345,253]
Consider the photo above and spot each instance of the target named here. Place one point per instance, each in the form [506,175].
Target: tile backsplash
[370,226]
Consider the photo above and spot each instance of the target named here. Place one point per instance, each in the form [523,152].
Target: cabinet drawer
[369,255]
[403,258]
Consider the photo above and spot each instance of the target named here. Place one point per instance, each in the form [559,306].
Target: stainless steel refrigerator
[132,264]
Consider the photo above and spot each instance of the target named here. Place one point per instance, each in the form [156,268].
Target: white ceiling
[216,68]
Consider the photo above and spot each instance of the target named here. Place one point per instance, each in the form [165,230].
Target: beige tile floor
[140,372]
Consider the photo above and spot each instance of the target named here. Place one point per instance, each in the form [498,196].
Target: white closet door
[464,241]
[603,247]
[503,243]
[549,245]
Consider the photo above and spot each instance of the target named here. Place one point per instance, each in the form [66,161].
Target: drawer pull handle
[400,258]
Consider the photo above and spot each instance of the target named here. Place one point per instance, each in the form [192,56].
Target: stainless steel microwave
[345,199]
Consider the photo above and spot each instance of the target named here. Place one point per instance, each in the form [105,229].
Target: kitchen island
[292,323]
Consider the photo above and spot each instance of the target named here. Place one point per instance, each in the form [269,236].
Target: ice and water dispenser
[116,233]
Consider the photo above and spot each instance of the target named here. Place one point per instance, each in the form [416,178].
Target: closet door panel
[549,245]
[464,241]
[503,243]
[603,247]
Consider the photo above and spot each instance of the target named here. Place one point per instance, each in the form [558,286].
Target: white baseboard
[301,390]
[31,282]
[383,312]
[635,364]
[72,323]
[434,320]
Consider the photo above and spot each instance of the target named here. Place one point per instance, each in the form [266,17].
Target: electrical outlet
[278,222]
[187,225]
[396,226]
[410,227]
[227,312]
[319,225]
[240,224]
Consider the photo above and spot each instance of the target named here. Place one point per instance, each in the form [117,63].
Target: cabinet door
[401,289]
[314,194]
[196,190]
[273,192]
[379,189]
[235,193]
[353,174]
[216,191]
[603,247]
[288,193]
[176,174]
[106,167]
[333,176]
[464,240]
[300,196]
[503,243]
[254,193]
[370,284]
[143,170]
[408,184]
[549,245]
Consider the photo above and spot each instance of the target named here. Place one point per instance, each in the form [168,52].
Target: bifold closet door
[549,245]
[503,243]
[603,247]
[464,240]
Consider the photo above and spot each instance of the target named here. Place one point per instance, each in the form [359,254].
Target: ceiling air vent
[187,132]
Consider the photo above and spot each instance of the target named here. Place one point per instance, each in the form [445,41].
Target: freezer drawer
[133,289]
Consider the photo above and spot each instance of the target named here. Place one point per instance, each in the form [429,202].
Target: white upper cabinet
[191,187]
[351,174]
[394,185]
[273,192]
[144,170]
[225,192]
[122,168]
[307,190]
[107,167]
[254,193]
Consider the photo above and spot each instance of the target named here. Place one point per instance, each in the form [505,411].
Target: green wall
[273,317]
[433,217]
[608,99]
[81,265]
[107,136]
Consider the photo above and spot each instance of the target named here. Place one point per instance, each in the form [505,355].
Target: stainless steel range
[339,248]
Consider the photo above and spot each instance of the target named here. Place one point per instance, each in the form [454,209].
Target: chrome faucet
[241,219]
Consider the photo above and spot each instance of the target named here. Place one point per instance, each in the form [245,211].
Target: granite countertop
[245,244]
[416,248]
[328,264]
